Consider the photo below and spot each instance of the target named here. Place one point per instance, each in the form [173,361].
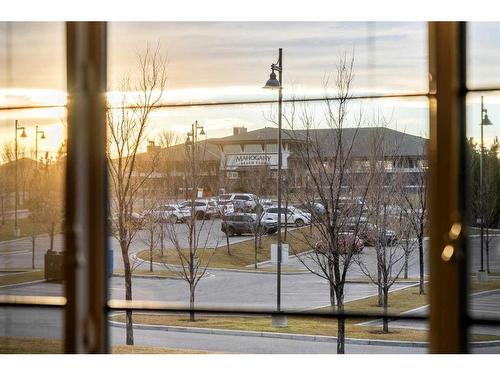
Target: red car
[344,242]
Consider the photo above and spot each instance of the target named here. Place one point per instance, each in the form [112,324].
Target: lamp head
[486,120]
[202,131]
[23,134]
[43,135]
[272,83]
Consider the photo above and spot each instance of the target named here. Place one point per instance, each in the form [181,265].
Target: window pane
[233,149]
[32,174]
[483,60]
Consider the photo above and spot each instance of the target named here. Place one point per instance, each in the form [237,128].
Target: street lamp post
[16,197]
[42,136]
[274,84]
[482,274]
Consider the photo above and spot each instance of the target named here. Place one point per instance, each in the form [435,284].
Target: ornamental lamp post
[17,231]
[482,274]
[274,83]
[42,136]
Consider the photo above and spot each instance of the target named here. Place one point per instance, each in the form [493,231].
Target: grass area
[399,300]
[242,253]
[476,286]
[307,326]
[32,345]
[21,277]
[26,226]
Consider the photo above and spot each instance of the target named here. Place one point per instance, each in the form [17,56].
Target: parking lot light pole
[274,84]
[482,275]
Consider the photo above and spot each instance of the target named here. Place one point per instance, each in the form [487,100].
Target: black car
[241,223]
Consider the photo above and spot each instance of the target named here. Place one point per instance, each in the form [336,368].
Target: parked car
[351,206]
[345,241]
[204,209]
[223,208]
[372,234]
[242,223]
[294,216]
[241,201]
[135,220]
[170,213]
[314,208]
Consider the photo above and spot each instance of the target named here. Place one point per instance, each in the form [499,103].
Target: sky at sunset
[222,61]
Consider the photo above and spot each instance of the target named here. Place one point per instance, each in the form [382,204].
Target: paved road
[48,323]
[224,289]
[17,254]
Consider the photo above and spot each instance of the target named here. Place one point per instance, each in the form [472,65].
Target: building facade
[248,160]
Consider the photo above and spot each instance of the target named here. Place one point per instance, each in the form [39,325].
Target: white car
[171,213]
[240,201]
[223,208]
[294,216]
[204,209]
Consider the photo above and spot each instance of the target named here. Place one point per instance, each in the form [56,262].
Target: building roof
[394,141]
[177,153]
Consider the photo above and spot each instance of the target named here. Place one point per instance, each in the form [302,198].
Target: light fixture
[272,83]
[23,134]
[486,120]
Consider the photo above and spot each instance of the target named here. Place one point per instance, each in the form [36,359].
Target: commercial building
[246,158]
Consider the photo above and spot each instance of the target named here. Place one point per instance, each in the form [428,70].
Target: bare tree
[127,133]
[416,206]
[405,232]
[383,213]
[193,253]
[324,150]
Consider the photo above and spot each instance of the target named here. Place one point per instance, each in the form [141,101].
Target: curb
[135,257]
[285,336]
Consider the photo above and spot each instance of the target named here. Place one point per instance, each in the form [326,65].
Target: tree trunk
[128,293]
[421,261]
[407,258]
[380,301]
[487,249]
[255,244]
[332,297]
[161,239]
[51,234]
[191,302]
[151,239]
[227,245]
[340,323]
[33,237]
[386,304]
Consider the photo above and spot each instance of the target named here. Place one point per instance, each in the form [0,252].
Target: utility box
[284,253]
[54,266]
